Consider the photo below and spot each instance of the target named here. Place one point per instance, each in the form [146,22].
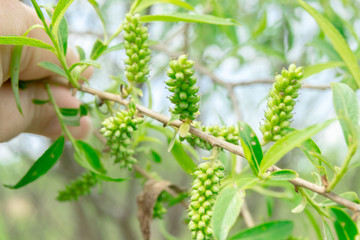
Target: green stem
[134,6]
[322,159]
[313,203]
[118,31]
[106,42]
[32,28]
[340,173]
[214,155]
[59,115]
[314,223]
[233,164]
[62,58]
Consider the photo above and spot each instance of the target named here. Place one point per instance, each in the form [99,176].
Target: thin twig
[299,182]
[229,85]
[214,141]
[270,81]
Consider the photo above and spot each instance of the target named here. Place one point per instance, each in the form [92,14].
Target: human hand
[16,18]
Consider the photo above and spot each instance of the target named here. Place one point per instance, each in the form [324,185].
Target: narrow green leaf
[311,70]
[81,53]
[156,156]
[96,7]
[86,63]
[58,15]
[39,12]
[148,139]
[327,231]
[344,226]
[184,17]
[62,35]
[43,164]
[147,3]
[69,111]
[347,109]
[278,230]
[98,48]
[49,7]
[116,47]
[14,73]
[326,48]
[251,146]
[85,152]
[226,211]
[283,175]
[110,179]
[39,101]
[19,40]
[71,116]
[288,142]
[349,80]
[336,39]
[183,159]
[260,25]
[83,110]
[172,140]
[300,207]
[309,147]
[53,67]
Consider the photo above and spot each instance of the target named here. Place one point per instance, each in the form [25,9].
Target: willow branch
[299,182]
[214,141]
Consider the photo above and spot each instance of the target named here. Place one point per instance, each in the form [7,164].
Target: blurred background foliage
[272,34]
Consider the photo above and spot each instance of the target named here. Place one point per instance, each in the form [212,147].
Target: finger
[16,18]
[38,119]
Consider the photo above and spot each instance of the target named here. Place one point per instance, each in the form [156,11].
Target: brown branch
[299,182]
[214,141]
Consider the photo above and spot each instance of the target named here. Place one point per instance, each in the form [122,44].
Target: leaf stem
[344,167]
[60,55]
[313,203]
[59,115]
[118,31]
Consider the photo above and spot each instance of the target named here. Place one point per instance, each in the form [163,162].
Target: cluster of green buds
[159,209]
[281,103]
[203,195]
[182,84]
[226,133]
[79,187]
[119,133]
[137,49]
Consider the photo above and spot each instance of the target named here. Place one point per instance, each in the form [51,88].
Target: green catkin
[79,187]
[182,84]
[226,133]
[159,209]
[204,191]
[281,102]
[137,50]
[119,131]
